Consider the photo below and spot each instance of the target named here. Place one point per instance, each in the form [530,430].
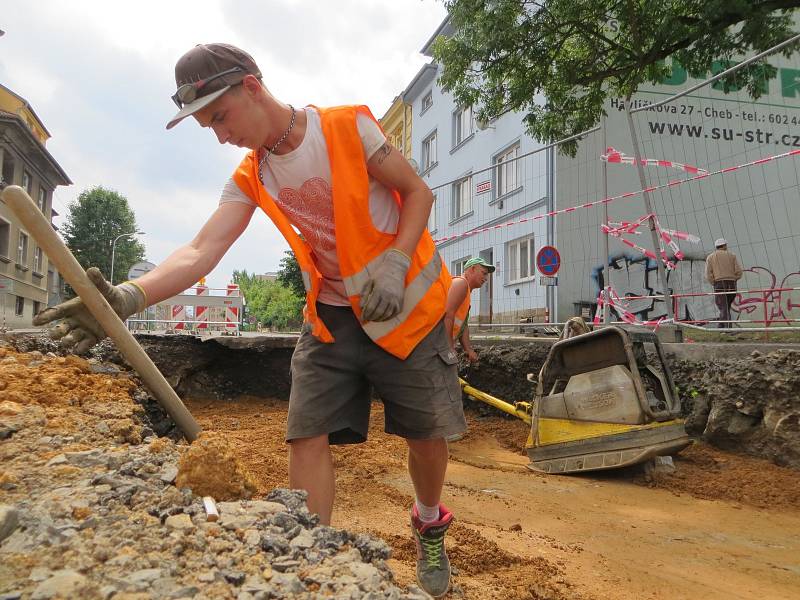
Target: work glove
[78,327]
[382,296]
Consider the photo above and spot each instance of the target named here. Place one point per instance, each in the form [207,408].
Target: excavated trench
[739,397]
[518,535]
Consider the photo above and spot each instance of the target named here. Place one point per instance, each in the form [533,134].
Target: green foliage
[273,304]
[558,60]
[93,221]
[289,274]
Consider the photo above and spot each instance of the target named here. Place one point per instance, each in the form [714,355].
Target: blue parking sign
[548,260]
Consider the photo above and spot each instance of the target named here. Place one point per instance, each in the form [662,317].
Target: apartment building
[491,184]
[29,282]
[396,124]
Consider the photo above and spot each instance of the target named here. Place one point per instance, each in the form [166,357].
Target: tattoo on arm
[383,152]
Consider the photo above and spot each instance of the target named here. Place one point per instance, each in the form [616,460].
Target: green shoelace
[433,549]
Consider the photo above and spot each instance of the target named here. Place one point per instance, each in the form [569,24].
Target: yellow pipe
[515,410]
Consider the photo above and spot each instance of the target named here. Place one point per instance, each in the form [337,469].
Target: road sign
[483,186]
[140,268]
[548,280]
[548,260]
[6,285]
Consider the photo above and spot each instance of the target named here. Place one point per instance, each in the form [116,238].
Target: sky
[99,75]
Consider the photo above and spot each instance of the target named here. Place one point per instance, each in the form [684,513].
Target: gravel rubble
[92,511]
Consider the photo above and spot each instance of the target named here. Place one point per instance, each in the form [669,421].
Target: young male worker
[375,284]
[476,271]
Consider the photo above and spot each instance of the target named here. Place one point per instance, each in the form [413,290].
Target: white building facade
[491,181]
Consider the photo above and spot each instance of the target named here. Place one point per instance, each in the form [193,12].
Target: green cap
[479,261]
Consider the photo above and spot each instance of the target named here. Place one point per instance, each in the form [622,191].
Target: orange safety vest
[462,312]
[360,246]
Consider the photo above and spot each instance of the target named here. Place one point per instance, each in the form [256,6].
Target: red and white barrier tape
[622,310]
[615,156]
[618,229]
[665,236]
[653,188]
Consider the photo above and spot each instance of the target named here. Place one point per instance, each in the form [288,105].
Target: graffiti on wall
[637,275]
[777,304]
[632,275]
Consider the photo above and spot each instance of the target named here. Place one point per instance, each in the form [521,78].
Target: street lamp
[114,248]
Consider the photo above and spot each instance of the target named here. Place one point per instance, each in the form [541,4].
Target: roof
[28,106]
[420,81]
[8,117]
[445,28]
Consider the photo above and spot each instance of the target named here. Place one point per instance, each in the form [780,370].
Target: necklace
[274,147]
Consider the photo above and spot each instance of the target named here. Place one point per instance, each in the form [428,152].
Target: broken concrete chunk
[9,520]
[59,459]
[169,473]
[303,540]
[64,584]
[260,508]
[231,522]
[180,522]
[86,458]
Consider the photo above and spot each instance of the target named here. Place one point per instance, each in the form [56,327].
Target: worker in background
[375,284]
[456,316]
[722,272]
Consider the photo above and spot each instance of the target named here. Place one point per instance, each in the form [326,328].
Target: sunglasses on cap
[187,93]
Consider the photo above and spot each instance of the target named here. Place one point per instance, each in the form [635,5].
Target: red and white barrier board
[201,312]
[232,312]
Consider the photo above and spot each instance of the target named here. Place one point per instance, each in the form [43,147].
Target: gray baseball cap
[206,72]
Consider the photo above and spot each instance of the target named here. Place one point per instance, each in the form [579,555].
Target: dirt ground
[722,526]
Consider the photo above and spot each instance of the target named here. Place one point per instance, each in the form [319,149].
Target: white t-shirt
[300,184]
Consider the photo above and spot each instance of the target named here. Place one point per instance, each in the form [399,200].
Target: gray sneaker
[433,567]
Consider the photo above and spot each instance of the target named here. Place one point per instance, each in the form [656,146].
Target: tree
[289,274]
[270,302]
[93,221]
[558,60]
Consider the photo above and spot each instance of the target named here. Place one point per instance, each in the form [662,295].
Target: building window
[37,306]
[427,102]
[462,125]
[432,217]
[462,198]
[38,259]
[8,168]
[429,152]
[5,237]
[457,266]
[42,202]
[22,249]
[520,260]
[27,182]
[505,173]
[19,307]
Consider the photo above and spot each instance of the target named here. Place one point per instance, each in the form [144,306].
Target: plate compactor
[601,404]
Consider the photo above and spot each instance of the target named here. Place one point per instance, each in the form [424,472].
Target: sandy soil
[723,526]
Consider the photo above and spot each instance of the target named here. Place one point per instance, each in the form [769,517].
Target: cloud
[99,75]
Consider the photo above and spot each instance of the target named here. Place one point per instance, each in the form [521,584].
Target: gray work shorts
[332,384]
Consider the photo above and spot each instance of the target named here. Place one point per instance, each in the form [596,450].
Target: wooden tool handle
[39,227]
